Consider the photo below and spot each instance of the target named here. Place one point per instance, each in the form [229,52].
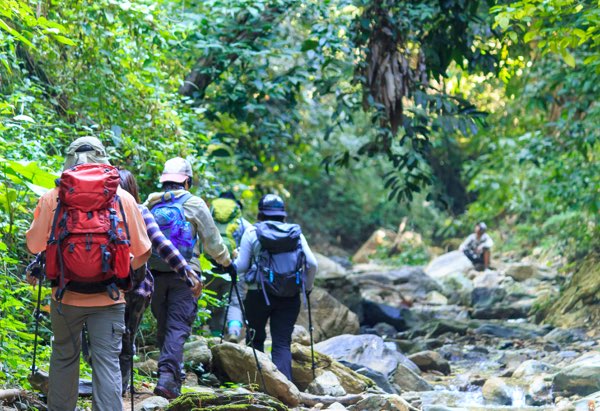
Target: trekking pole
[36,269]
[251,338]
[37,325]
[131,387]
[227,311]
[310,330]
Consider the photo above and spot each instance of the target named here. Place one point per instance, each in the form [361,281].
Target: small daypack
[281,263]
[170,217]
[227,215]
[87,252]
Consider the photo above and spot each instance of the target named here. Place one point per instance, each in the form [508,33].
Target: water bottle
[187,240]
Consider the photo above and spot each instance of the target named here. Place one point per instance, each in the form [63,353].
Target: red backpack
[86,251]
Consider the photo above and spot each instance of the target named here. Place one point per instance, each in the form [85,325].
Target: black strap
[54,222]
[123,216]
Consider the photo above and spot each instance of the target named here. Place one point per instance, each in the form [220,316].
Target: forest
[364,115]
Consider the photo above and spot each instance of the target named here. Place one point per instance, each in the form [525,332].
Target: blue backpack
[170,217]
[281,263]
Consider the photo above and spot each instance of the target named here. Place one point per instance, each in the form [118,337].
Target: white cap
[177,170]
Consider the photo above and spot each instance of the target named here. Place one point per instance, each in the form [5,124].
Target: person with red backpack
[185,220]
[279,268]
[93,234]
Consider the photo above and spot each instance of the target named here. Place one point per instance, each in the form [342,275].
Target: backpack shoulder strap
[55,222]
[118,199]
[181,199]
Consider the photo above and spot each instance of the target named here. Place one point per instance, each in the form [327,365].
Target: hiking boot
[234,331]
[234,334]
[167,387]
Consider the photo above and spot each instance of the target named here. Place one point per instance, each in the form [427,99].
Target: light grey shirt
[477,245]
[250,249]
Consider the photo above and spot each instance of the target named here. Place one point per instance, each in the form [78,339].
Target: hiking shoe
[234,334]
[167,387]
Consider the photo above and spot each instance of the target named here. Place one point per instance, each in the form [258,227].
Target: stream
[482,348]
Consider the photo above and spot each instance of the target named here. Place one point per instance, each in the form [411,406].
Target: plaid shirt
[165,249]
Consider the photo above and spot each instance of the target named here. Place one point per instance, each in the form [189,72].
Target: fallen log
[11,394]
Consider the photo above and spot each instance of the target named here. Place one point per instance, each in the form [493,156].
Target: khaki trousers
[105,326]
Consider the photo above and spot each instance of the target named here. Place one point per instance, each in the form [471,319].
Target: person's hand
[232,271]
[31,280]
[195,283]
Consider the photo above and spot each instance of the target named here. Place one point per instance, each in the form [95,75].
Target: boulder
[408,380]
[532,368]
[449,263]
[241,400]
[565,336]
[152,404]
[457,287]
[430,360]
[488,279]
[380,380]
[351,381]
[521,271]
[435,298]
[497,391]
[330,317]
[379,238]
[197,352]
[366,350]
[582,377]
[148,367]
[326,384]
[508,331]
[485,297]
[577,305]
[375,313]
[237,363]
[501,311]
[389,402]
[300,335]
[328,268]
[446,326]
[337,406]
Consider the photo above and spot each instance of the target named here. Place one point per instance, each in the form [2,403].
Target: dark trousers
[134,312]
[282,313]
[174,307]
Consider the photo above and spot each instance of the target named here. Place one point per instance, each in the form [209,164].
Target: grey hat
[85,150]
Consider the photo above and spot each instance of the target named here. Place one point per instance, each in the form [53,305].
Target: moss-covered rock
[226,401]
[579,303]
[238,364]
[351,381]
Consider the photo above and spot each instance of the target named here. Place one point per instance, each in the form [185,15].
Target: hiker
[227,210]
[477,247]
[138,298]
[284,268]
[86,265]
[183,218]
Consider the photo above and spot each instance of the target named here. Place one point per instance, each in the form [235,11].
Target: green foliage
[337,105]
[555,26]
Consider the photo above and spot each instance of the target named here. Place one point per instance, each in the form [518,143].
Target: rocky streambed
[441,337]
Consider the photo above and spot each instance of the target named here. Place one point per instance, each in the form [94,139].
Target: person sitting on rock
[477,247]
